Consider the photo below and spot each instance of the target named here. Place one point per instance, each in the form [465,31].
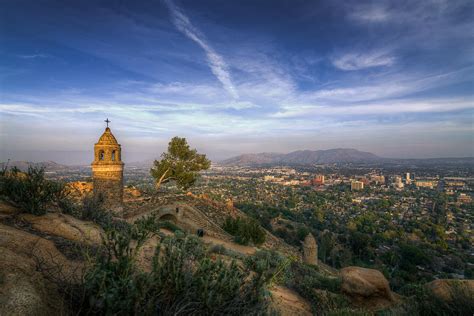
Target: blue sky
[391,77]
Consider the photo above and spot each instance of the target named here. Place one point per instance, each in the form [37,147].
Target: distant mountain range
[23,165]
[300,157]
[304,157]
[330,156]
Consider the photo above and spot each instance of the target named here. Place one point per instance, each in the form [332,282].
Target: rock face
[65,226]
[444,289]
[131,193]
[7,210]
[79,189]
[107,170]
[310,250]
[34,247]
[366,287]
[24,290]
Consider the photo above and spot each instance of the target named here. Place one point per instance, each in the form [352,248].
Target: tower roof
[107,138]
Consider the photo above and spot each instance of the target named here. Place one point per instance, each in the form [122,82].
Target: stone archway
[168,217]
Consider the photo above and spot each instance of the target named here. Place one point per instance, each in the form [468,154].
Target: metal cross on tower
[107,121]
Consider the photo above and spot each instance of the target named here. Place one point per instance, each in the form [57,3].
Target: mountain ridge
[331,156]
[303,157]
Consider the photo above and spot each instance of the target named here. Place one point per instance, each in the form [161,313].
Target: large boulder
[42,251]
[23,290]
[366,287]
[65,226]
[7,210]
[444,289]
[27,262]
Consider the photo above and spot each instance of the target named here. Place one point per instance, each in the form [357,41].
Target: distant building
[464,198]
[407,178]
[378,179]
[425,184]
[268,178]
[318,180]
[357,185]
[397,182]
[454,184]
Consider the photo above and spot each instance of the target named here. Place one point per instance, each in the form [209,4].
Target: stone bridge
[186,217]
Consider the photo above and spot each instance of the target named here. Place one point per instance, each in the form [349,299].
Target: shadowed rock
[366,287]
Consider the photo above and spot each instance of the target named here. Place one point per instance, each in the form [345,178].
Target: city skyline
[391,78]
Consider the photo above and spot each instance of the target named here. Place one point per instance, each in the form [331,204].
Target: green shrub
[245,230]
[30,191]
[169,226]
[92,210]
[348,311]
[114,285]
[271,264]
[222,250]
[322,291]
[183,279]
[422,301]
[219,249]
[184,273]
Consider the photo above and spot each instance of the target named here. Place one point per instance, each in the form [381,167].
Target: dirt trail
[288,302]
[246,250]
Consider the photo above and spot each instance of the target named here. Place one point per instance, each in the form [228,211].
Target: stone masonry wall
[110,186]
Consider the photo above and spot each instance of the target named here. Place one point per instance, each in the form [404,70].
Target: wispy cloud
[33,56]
[378,108]
[370,13]
[217,64]
[357,61]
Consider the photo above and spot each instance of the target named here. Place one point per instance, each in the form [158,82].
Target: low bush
[323,292]
[168,225]
[183,280]
[222,250]
[245,230]
[92,210]
[30,191]
[271,264]
[422,301]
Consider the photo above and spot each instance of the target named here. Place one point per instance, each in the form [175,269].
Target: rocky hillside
[44,258]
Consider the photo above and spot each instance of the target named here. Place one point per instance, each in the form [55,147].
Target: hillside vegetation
[140,269]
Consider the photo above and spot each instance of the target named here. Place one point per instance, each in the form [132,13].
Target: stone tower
[310,250]
[107,170]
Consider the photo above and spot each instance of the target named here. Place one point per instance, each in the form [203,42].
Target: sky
[395,78]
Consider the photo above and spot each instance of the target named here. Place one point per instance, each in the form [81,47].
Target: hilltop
[337,156]
[304,157]
[70,253]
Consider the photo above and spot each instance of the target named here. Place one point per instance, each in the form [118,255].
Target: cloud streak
[357,61]
[217,64]
[33,56]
